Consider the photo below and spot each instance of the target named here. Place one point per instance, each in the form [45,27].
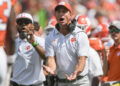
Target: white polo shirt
[27,69]
[67,49]
[95,65]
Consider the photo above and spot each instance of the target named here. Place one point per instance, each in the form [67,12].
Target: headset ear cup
[57,26]
[72,25]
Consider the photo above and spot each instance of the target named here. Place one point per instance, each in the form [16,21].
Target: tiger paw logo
[28,48]
[3,7]
[73,39]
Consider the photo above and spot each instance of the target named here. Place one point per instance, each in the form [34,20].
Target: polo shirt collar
[20,40]
[56,31]
[77,30]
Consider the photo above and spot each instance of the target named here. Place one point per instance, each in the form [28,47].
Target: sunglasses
[23,21]
[114,29]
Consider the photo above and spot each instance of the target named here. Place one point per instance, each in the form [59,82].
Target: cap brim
[23,18]
[59,6]
[111,26]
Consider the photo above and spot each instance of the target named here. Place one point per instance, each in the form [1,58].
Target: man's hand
[30,37]
[30,34]
[72,76]
[49,70]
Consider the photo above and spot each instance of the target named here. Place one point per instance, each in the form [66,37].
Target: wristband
[34,44]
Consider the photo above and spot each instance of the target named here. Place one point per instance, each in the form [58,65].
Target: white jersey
[3,66]
[27,68]
[95,65]
[67,49]
[5,8]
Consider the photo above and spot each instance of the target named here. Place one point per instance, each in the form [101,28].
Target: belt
[15,84]
[67,81]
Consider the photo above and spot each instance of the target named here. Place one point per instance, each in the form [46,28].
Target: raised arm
[10,35]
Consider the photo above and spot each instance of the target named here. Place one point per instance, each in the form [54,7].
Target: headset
[71,26]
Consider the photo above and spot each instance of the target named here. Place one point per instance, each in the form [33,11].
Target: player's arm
[50,55]
[40,51]
[35,44]
[51,65]
[10,34]
[80,65]
[78,69]
[51,62]
[82,53]
[105,63]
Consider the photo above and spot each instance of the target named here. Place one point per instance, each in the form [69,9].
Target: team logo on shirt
[73,39]
[28,48]
[118,54]
[55,40]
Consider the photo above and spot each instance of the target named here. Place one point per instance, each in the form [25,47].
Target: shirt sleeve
[83,44]
[48,46]
[95,63]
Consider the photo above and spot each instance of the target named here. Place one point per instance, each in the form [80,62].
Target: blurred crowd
[99,12]
[108,10]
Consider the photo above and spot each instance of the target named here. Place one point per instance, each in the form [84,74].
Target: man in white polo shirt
[67,48]
[27,69]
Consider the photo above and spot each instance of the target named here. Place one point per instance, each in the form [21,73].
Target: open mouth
[61,19]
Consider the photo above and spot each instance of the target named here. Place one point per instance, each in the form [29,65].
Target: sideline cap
[65,4]
[24,16]
[115,24]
